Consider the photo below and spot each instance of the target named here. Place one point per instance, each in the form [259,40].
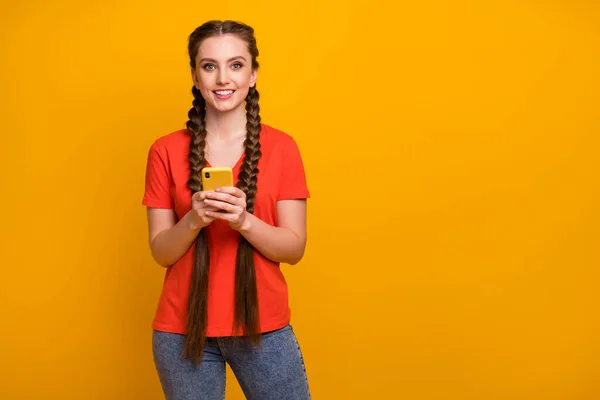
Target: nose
[222,77]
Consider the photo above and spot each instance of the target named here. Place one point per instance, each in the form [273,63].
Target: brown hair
[246,314]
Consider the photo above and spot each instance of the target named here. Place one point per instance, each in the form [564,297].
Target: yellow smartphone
[215,177]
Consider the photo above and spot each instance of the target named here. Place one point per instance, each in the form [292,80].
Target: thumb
[198,196]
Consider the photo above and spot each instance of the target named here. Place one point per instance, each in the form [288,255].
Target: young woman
[224,298]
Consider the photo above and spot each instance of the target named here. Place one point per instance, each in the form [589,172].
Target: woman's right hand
[197,215]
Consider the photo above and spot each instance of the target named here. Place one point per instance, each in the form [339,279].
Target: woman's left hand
[232,203]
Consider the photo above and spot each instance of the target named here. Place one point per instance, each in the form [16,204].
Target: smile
[223,92]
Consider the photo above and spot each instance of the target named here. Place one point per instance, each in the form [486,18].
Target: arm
[170,240]
[285,242]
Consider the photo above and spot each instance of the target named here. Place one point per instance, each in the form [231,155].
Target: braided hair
[246,314]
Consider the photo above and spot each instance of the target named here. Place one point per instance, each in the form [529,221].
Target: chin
[228,106]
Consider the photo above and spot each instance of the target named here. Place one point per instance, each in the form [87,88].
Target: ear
[253,78]
[195,79]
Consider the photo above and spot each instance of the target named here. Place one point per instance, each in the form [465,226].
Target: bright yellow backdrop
[452,151]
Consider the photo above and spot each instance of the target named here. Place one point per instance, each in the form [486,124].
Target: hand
[230,203]
[198,213]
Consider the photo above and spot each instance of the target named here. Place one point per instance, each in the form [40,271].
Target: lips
[223,94]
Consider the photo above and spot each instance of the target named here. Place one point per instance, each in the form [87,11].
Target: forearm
[171,244]
[276,243]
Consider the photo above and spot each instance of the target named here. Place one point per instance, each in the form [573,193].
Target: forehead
[223,47]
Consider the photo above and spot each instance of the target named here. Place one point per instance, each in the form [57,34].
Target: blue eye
[208,66]
[237,66]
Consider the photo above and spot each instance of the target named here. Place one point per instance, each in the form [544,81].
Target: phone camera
[207,175]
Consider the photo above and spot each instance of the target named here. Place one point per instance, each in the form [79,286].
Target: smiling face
[224,72]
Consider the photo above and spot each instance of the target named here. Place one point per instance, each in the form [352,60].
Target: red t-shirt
[281,176]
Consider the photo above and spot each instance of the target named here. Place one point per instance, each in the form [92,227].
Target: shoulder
[281,150]
[276,139]
[171,143]
[172,140]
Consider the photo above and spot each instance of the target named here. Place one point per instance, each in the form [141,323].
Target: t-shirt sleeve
[158,178]
[293,177]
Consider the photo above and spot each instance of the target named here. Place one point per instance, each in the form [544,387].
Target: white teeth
[224,92]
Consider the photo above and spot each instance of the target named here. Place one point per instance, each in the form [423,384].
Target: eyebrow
[230,60]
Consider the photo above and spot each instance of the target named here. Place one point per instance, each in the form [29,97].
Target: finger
[232,190]
[200,205]
[227,198]
[207,218]
[230,208]
[199,196]
[221,215]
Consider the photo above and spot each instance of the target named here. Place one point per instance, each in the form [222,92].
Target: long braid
[197,128]
[246,296]
[198,297]
[249,170]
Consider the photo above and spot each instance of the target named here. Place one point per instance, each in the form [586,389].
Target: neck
[226,125]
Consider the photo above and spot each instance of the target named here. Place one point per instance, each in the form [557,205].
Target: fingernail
[217,189]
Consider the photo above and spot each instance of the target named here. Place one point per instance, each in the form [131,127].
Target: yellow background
[452,152]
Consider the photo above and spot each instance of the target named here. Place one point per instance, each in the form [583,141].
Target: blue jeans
[275,370]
